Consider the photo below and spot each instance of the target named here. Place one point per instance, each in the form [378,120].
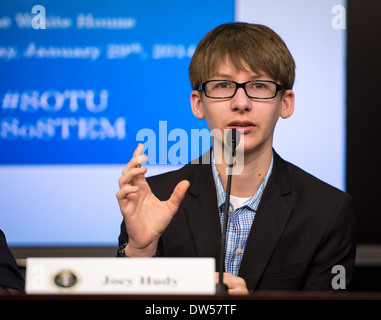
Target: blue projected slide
[78,91]
[83,82]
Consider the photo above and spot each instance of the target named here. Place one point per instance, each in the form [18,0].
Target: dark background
[364,115]
[364,136]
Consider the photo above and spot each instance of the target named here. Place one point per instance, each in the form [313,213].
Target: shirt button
[239,251]
[230,209]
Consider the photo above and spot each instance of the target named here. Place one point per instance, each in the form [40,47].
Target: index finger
[137,159]
[140,157]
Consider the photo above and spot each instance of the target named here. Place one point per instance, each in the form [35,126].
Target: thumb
[178,195]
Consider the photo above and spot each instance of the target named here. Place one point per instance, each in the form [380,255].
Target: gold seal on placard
[65,279]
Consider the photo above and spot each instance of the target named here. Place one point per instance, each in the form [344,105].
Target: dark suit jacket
[10,276]
[303,227]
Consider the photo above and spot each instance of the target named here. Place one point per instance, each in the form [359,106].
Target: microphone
[232,140]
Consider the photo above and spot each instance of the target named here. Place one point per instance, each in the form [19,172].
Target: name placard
[120,276]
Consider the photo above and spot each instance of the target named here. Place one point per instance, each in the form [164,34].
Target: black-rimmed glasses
[255,89]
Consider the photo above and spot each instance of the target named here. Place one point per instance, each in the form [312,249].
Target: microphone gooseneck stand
[232,140]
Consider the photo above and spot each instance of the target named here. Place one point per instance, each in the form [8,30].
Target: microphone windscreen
[233,138]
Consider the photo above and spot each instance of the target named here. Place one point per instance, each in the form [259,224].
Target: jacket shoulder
[316,192]
[315,185]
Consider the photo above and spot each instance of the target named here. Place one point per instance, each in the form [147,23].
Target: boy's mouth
[243,126]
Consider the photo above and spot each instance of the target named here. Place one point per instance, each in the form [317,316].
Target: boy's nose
[241,102]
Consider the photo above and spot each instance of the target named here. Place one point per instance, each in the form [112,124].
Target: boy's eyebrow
[221,75]
[229,76]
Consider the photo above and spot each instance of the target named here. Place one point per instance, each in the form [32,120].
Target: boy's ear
[196,103]
[288,100]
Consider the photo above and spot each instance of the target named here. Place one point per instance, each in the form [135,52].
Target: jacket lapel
[202,212]
[271,218]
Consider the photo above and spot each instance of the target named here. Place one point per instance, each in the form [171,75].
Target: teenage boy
[286,229]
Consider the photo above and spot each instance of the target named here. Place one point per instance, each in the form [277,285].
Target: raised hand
[145,216]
